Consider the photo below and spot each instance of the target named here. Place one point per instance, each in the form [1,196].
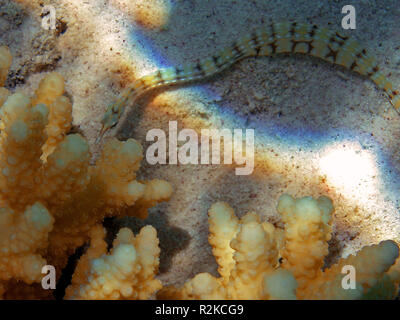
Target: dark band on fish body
[312,31]
[216,62]
[257,46]
[237,50]
[160,77]
[200,69]
[292,30]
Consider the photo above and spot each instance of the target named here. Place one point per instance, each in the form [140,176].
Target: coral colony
[54,201]
[248,253]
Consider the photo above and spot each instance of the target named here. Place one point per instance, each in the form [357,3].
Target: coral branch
[127,272]
[258,261]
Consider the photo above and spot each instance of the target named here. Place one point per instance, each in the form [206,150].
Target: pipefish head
[114,111]
[110,119]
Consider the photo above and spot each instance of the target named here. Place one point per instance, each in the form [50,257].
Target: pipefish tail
[282,37]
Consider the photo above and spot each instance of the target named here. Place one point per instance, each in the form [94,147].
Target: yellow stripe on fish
[282,37]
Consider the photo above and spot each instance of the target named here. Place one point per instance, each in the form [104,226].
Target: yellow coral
[246,251]
[60,119]
[307,232]
[50,195]
[24,178]
[370,263]
[152,14]
[50,88]
[224,226]
[127,272]
[5,63]
[2,290]
[4,93]
[21,239]
[249,254]
[50,92]
[202,287]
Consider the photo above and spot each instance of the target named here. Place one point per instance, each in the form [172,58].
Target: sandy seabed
[320,129]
